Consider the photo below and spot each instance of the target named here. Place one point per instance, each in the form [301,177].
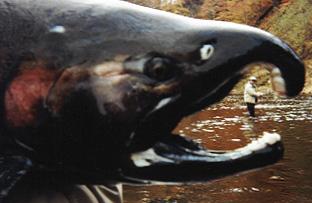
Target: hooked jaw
[173,156]
[98,109]
[150,94]
[175,67]
[234,47]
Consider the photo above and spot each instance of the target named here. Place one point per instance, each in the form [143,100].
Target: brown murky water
[226,126]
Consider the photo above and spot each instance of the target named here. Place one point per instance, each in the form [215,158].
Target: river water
[226,126]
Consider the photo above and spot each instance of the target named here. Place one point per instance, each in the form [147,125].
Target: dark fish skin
[84,86]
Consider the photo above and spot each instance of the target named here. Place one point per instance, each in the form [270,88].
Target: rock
[277,178]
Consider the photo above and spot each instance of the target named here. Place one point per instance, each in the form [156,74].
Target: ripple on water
[225,126]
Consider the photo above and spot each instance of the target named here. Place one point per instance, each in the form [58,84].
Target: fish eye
[206,52]
[160,69]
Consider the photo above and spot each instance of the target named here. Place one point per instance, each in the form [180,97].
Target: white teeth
[278,82]
[271,138]
[276,72]
[163,102]
[146,158]
[279,85]
[261,143]
[256,145]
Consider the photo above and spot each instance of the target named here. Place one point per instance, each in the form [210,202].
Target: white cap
[253,78]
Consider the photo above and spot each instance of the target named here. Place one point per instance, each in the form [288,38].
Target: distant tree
[193,6]
[148,3]
[174,6]
[177,8]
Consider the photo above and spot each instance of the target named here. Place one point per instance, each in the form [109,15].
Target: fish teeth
[163,103]
[279,85]
[276,72]
[146,158]
[271,138]
[256,145]
[278,82]
[261,143]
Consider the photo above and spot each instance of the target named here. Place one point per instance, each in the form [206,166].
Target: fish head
[128,75]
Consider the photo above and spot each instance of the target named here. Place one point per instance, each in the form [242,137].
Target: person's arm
[252,92]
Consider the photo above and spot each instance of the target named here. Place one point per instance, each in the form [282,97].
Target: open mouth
[175,158]
[88,115]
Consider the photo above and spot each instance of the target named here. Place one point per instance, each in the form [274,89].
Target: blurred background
[226,126]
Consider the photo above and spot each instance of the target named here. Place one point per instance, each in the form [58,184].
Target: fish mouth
[176,159]
[152,153]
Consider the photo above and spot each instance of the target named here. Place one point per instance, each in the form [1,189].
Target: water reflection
[227,126]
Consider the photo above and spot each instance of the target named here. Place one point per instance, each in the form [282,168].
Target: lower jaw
[179,160]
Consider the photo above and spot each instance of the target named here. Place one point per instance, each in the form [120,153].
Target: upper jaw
[235,47]
[210,81]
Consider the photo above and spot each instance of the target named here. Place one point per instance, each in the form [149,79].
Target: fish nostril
[206,52]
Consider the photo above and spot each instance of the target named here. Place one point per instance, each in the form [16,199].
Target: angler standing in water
[251,95]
